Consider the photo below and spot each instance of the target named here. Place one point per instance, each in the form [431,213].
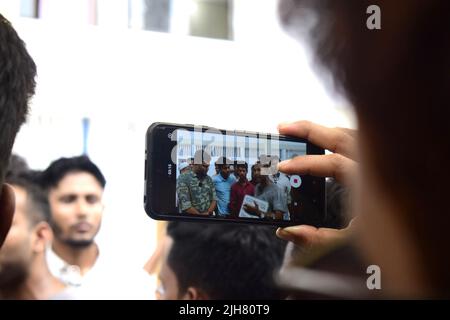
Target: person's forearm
[253,210]
[192,210]
[212,207]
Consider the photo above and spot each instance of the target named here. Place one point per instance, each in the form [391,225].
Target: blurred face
[185,170]
[168,286]
[257,176]
[76,206]
[225,171]
[242,173]
[16,254]
[383,235]
[201,169]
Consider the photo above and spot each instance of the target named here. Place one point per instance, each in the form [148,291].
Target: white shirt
[107,279]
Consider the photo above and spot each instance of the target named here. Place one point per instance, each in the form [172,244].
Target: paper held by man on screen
[263,206]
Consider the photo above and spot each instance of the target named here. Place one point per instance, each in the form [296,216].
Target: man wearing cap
[195,189]
[184,168]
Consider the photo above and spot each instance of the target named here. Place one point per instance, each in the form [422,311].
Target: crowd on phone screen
[222,195]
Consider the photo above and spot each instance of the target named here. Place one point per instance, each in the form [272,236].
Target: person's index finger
[330,165]
[335,140]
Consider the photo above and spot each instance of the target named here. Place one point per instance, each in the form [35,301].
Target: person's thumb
[302,235]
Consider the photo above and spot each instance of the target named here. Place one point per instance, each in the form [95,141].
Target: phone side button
[145,169]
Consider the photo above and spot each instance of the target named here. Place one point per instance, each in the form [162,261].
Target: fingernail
[281,233]
[282,125]
[284,233]
[282,164]
[292,229]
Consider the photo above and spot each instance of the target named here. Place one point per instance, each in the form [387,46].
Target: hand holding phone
[341,165]
[232,176]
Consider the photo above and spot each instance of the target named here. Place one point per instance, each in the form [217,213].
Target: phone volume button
[145,170]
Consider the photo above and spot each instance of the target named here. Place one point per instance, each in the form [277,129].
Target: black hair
[17,84]
[222,161]
[242,165]
[17,166]
[37,208]
[226,261]
[58,169]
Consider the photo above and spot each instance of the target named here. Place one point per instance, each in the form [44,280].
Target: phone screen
[206,173]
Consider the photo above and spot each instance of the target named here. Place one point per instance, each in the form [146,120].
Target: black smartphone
[199,173]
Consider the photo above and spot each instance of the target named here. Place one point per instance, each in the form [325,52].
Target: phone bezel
[155,172]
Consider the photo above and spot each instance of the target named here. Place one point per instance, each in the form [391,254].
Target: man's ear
[42,236]
[7,207]
[193,293]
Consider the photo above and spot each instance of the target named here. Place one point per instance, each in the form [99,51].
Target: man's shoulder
[271,187]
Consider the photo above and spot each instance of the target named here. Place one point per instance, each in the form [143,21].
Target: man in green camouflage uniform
[195,189]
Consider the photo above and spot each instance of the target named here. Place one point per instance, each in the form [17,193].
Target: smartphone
[199,173]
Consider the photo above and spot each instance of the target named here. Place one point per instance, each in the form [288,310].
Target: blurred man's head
[201,163]
[17,166]
[259,171]
[29,235]
[403,224]
[216,261]
[17,73]
[241,169]
[223,165]
[75,189]
[269,164]
[184,167]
